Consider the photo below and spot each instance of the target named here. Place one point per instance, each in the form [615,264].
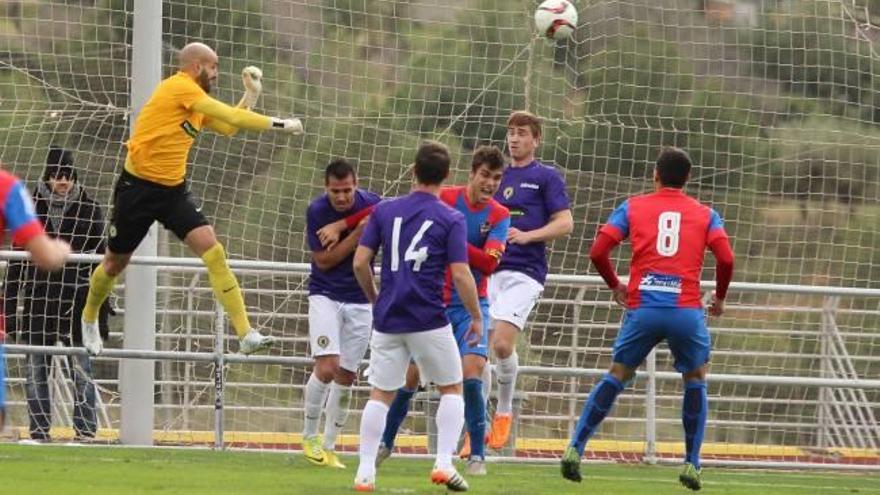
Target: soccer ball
[556,19]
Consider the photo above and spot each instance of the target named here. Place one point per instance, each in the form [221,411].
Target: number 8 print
[668,227]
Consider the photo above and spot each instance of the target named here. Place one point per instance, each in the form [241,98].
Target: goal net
[775,101]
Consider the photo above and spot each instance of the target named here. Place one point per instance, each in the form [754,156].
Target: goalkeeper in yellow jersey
[152,186]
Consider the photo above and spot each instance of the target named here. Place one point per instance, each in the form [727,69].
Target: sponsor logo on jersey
[485,228]
[529,185]
[659,282]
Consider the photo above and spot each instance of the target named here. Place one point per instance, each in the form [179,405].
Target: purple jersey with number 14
[419,236]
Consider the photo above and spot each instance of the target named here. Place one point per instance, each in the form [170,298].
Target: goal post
[136,377]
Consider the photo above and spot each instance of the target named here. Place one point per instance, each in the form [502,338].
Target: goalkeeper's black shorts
[137,203]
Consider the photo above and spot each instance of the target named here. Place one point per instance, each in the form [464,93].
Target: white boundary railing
[651,376]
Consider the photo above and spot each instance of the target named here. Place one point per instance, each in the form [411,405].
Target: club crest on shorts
[112,231]
[323,341]
[507,193]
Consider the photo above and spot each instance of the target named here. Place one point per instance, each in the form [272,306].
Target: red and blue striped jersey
[669,232]
[487,228]
[17,217]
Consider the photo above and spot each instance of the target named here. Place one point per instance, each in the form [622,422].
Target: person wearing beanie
[53,301]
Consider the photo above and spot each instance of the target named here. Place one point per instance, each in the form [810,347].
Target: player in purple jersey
[539,212]
[18,218]
[487,225]
[340,317]
[419,236]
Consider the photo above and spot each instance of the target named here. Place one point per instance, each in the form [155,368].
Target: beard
[204,81]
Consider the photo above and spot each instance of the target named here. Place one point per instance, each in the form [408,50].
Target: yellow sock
[226,288]
[100,287]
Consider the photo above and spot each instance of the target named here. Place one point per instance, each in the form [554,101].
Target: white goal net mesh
[775,100]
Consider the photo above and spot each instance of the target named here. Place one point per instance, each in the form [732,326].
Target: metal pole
[651,408]
[823,439]
[219,363]
[188,366]
[574,360]
[136,376]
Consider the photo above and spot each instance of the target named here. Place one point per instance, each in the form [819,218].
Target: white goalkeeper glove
[292,125]
[252,77]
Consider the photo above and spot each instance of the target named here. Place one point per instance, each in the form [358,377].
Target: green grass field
[59,470]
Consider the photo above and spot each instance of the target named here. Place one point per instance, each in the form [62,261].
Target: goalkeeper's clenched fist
[252,78]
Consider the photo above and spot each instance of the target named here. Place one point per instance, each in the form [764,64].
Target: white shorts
[341,329]
[512,296]
[434,351]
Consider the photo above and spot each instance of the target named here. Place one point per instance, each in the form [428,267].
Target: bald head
[199,61]
[196,53]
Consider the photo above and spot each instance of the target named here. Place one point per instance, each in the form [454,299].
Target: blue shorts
[684,330]
[2,379]
[461,321]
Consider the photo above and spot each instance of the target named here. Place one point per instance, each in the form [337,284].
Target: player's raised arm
[252,80]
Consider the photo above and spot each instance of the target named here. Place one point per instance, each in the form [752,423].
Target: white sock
[450,420]
[487,381]
[315,396]
[336,413]
[372,427]
[506,373]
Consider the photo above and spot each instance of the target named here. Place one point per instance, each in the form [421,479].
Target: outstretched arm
[47,253]
[244,119]
[27,231]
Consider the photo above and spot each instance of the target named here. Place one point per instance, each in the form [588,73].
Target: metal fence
[812,403]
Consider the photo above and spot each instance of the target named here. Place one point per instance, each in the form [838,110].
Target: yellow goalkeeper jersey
[165,131]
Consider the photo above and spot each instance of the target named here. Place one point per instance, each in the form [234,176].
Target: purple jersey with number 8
[418,236]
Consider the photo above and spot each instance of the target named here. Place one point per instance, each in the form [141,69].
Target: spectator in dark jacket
[53,302]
